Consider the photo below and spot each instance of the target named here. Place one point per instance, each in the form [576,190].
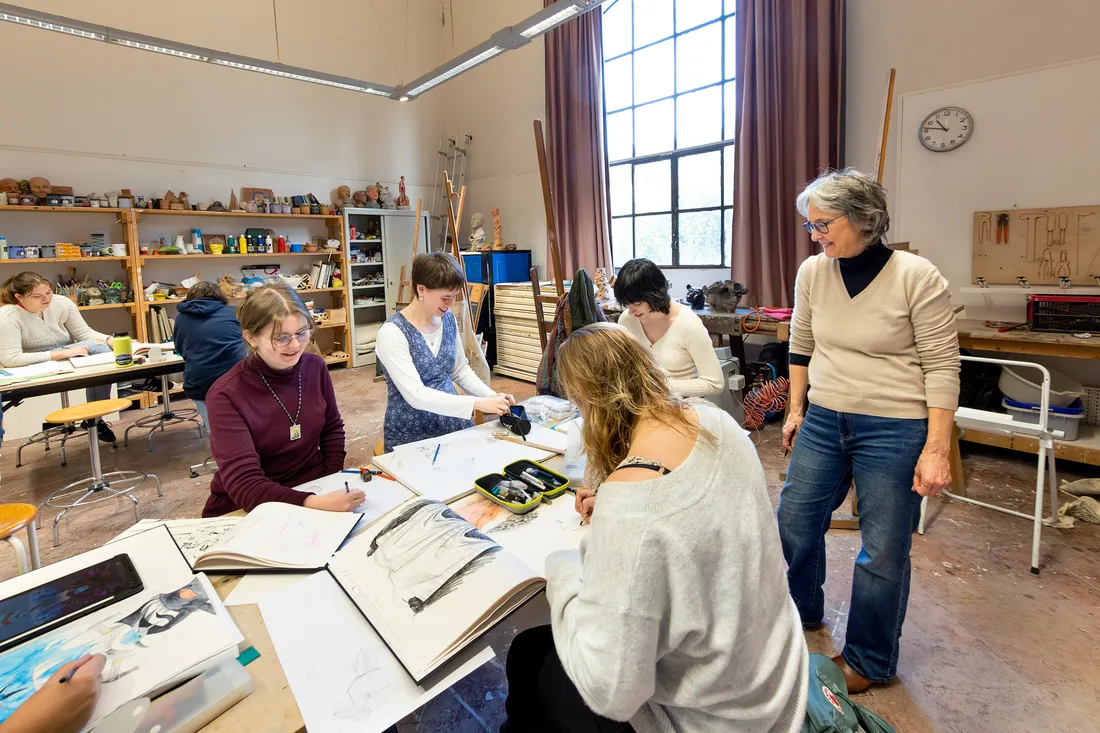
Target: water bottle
[3,248]
[196,241]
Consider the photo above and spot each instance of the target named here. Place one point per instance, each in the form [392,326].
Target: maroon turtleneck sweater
[250,434]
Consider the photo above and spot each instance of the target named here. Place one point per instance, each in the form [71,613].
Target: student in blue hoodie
[208,337]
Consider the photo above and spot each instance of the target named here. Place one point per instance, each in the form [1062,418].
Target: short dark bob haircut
[641,281]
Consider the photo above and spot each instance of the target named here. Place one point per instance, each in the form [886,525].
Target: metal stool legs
[60,433]
[207,465]
[96,488]
[167,417]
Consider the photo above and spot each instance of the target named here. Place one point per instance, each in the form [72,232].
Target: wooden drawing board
[1042,246]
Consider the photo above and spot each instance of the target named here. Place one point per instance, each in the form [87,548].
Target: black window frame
[675,155]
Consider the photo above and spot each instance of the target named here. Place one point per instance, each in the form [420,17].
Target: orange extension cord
[771,397]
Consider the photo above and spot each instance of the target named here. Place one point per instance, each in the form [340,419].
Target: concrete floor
[987,646]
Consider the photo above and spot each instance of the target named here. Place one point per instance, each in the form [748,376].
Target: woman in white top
[36,327]
[423,358]
[675,337]
[673,616]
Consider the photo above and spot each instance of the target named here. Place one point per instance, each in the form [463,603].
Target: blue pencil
[437,447]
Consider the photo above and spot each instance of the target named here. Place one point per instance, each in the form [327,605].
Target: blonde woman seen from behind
[674,614]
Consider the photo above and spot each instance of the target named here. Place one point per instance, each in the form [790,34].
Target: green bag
[828,707]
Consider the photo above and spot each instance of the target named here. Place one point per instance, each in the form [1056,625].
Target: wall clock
[948,128]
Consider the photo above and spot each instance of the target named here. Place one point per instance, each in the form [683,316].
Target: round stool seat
[379,447]
[14,517]
[87,411]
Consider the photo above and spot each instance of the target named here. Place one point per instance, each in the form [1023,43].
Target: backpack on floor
[828,707]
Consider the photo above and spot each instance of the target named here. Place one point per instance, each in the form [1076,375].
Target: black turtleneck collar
[858,272]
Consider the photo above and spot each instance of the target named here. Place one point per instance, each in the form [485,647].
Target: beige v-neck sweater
[891,351]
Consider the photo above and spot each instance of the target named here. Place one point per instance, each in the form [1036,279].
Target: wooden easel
[402,282]
[453,218]
[553,256]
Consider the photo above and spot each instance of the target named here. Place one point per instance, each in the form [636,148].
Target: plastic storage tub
[1064,389]
[1065,419]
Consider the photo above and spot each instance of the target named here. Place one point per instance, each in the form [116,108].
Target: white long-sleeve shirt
[26,338]
[393,349]
[685,354]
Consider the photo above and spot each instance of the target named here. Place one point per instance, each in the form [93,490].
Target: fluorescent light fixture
[544,25]
[34,19]
[444,73]
[159,49]
[403,98]
[289,72]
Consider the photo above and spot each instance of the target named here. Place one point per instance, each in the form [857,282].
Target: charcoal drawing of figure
[26,668]
[427,550]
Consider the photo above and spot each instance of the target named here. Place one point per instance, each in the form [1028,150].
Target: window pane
[699,57]
[622,240]
[616,29]
[622,194]
[653,186]
[653,127]
[652,21]
[701,238]
[727,235]
[699,118]
[731,47]
[655,238]
[653,73]
[620,135]
[727,177]
[617,82]
[699,180]
[690,13]
[731,6]
[731,110]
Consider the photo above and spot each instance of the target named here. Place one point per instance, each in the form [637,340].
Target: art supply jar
[124,349]
[31,252]
[3,248]
[196,241]
[48,251]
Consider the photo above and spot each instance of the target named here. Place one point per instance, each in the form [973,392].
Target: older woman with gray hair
[874,343]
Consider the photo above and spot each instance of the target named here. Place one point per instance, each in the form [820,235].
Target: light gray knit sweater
[27,339]
[675,614]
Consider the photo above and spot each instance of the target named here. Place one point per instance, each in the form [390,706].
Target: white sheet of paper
[255,587]
[344,678]
[533,536]
[42,369]
[382,496]
[83,362]
[290,535]
[463,457]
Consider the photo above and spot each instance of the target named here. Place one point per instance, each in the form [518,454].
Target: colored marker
[437,447]
[347,489]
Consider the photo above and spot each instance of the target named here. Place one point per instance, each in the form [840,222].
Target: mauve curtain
[575,142]
[789,110]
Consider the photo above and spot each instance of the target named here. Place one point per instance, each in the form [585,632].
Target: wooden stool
[379,447]
[14,517]
[95,488]
[60,433]
[153,423]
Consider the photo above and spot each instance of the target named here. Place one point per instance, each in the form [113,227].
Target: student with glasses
[36,327]
[423,356]
[274,421]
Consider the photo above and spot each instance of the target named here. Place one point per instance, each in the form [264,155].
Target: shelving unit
[393,245]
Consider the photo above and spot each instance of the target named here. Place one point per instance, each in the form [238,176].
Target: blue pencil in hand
[437,447]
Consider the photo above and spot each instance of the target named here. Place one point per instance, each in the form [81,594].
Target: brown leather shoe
[855,681]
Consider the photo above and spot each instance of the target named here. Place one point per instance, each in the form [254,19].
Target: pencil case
[487,485]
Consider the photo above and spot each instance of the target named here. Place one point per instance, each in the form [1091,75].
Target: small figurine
[372,198]
[233,205]
[385,197]
[696,298]
[477,235]
[402,196]
[603,290]
[498,242]
[184,200]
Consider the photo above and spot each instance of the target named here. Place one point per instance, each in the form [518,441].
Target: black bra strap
[640,462]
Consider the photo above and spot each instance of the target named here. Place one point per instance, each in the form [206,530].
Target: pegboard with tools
[1041,245]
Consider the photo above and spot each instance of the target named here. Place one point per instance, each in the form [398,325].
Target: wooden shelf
[364,241]
[64,209]
[1086,449]
[369,305]
[330,360]
[243,214]
[162,258]
[364,264]
[106,306]
[367,287]
[24,260]
[320,290]
[330,325]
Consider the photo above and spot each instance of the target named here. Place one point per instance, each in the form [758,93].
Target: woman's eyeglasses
[822,227]
[283,339]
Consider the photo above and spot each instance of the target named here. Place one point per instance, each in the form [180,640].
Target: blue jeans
[881,453]
[103,391]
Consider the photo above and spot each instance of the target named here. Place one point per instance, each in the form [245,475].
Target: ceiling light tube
[463,62]
[157,45]
[48,22]
[554,15]
[291,72]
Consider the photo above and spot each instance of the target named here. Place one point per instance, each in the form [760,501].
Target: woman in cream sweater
[674,614]
[675,337]
[873,341]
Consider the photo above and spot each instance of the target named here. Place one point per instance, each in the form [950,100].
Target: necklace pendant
[295,432]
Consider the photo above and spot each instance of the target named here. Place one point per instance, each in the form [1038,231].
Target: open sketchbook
[172,630]
[430,583]
[462,457]
[273,536]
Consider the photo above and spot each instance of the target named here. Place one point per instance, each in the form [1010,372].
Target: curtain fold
[790,71]
[575,141]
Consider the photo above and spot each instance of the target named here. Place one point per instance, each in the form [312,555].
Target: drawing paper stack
[274,536]
[172,630]
[430,583]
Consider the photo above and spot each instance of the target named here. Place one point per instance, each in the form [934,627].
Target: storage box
[1065,419]
[514,471]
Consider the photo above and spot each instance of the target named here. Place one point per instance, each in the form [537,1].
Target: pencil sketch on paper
[365,691]
[27,667]
[291,536]
[194,536]
[427,550]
